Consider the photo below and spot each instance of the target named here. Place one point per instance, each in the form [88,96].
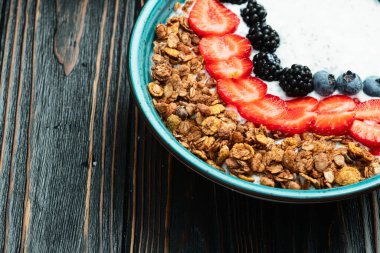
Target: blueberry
[324,83]
[349,83]
[372,86]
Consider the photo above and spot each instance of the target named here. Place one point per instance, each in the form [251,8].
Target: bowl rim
[201,167]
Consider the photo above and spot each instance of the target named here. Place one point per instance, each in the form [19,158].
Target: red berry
[221,48]
[264,111]
[375,151]
[337,103]
[334,123]
[366,133]
[335,115]
[210,17]
[232,68]
[369,110]
[295,121]
[240,91]
[308,104]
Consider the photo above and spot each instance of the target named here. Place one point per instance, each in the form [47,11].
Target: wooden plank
[257,225]
[80,171]
[179,211]
[204,217]
[11,93]
[4,11]
[148,207]
[63,140]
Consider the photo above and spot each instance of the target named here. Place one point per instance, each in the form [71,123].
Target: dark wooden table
[79,170]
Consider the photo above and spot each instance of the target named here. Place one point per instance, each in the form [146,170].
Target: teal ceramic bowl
[140,51]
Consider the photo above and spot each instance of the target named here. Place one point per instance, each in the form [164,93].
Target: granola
[186,99]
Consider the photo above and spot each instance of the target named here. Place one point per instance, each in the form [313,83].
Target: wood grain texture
[46,120]
[69,29]
[81,172]
[191,214]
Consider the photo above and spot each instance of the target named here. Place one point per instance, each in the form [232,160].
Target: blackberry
[296,81]
[267,66]
[264,38]
[234,1]
[253,13]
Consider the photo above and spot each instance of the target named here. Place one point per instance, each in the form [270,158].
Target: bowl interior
[140,52]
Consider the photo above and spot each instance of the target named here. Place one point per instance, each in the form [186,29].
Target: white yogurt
[344,36]
[308,32]
[332,35]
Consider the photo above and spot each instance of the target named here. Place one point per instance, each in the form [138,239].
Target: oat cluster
[187,100]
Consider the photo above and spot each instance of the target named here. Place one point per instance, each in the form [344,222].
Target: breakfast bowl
[140,63]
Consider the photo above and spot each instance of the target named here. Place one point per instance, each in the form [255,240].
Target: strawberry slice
[295,121]
[232,68]
[375,151]
[335,115]
[369,110]
[210,17]
[308,104]
[366,133]
[239,91]
[264,111]
[337,103]
[334,123]
[272,112]
[221,48]
[299,116]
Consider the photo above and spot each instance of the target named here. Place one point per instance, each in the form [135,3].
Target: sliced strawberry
[264,111]
[375,151]
[335,115]
[295,121]
[308,104]
[221,48]
[239,91]
[369,110]
[272,112]
[365,133]
[334,123]
[232,68]
[210,17]
[337,103]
